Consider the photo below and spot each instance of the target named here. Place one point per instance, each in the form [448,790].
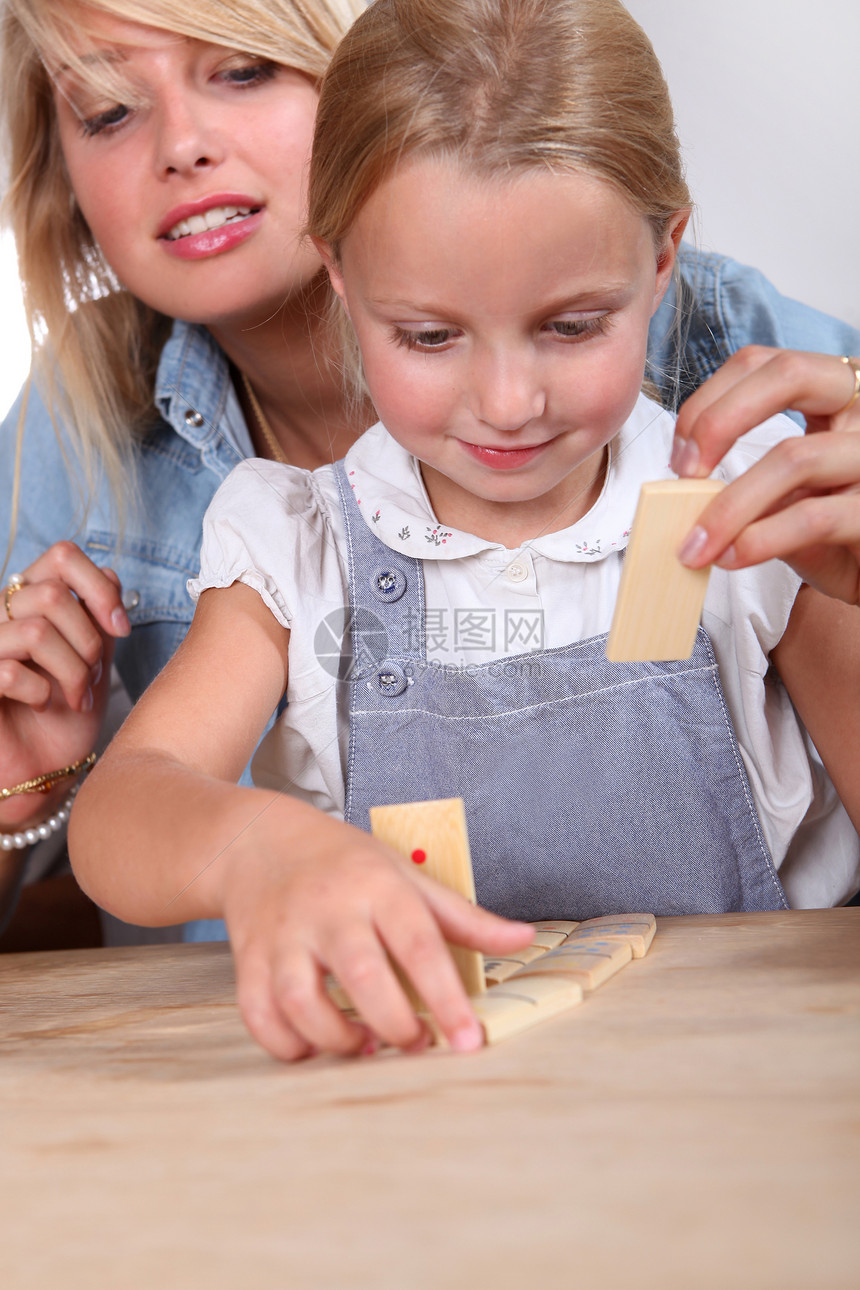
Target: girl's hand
[801,501]
[56,647]
[343,903]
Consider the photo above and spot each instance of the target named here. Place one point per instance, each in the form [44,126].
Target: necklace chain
[271,442]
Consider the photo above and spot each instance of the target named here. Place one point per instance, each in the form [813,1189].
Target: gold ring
[15,583]
[855,368]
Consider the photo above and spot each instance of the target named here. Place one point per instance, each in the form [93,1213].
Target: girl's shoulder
[277,529]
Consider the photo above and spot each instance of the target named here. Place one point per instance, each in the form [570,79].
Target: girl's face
[503,325]
[192,178]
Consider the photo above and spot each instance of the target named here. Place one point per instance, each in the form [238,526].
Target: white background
[767,96]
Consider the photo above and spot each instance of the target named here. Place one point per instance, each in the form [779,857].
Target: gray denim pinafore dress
[590,787]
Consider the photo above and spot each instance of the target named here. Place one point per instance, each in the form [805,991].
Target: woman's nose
[508,391]
[187,140]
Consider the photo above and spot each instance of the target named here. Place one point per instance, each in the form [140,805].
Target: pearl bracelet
[29,837]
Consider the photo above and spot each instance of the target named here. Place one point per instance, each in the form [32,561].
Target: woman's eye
[579,328]
[106,120]
[423,339]
[251,73]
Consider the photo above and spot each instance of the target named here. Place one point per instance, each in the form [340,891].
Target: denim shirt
[200,435]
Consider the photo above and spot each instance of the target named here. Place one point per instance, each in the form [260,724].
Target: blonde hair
[95,366]
[502,86]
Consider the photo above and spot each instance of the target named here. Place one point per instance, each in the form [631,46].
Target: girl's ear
[332,267]
[668,253]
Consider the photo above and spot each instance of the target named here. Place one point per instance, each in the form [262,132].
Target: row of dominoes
[565,960]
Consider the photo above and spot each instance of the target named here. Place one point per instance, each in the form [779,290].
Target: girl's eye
[579,328]
[105,121]
[256,73]
[428,340]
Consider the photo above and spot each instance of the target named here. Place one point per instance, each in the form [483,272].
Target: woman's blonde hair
[502,86]
[95,366]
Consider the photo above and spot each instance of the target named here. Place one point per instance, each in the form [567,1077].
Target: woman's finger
[53,601]
[98,589]
[22,684]
[753,385]
[818,536]
[38,642]
[794,468]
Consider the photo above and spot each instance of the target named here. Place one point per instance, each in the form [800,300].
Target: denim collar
[194,393]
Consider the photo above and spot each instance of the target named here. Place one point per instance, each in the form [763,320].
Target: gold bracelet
[44,783]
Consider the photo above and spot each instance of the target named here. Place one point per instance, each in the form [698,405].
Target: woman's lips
[504,458]
[196,231]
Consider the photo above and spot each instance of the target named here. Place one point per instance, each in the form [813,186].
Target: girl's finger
[308,1010]
[423,954]
[265,1020]
[469,925]
[361,966]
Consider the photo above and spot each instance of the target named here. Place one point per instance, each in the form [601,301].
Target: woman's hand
[335,900]
[56,646]
[801,501]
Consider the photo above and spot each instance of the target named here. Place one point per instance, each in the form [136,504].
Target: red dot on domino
[419,856]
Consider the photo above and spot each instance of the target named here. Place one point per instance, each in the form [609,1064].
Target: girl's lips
[504,458]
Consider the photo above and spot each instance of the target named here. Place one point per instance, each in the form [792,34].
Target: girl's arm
[818,660]
[801,501]
[161,833]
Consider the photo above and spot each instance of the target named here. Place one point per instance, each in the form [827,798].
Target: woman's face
[192,178]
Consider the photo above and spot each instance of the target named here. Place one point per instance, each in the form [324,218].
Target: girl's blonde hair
[95,366]
[502,86]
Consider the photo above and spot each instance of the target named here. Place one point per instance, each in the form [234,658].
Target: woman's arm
[161,834]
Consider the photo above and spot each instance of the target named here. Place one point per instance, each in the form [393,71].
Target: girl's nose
[507,391]
[187,140]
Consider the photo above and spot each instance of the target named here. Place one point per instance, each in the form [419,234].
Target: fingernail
[729,558]
[87,702]
[119,622]
[693,545]
[678,446]
[371,1046]
[468,1039]
[96,673]
[689,458]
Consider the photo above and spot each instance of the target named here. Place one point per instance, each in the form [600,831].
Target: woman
[157,165]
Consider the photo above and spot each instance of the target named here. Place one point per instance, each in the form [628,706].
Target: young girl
[497,194]
[167,352]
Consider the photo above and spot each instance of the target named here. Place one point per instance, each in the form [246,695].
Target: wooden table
[694,1124]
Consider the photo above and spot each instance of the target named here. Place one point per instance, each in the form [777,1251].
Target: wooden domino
[659,600]
[433,834]
[507,1009]
[591,963]
[564,925]
[637,929]
[499,969]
